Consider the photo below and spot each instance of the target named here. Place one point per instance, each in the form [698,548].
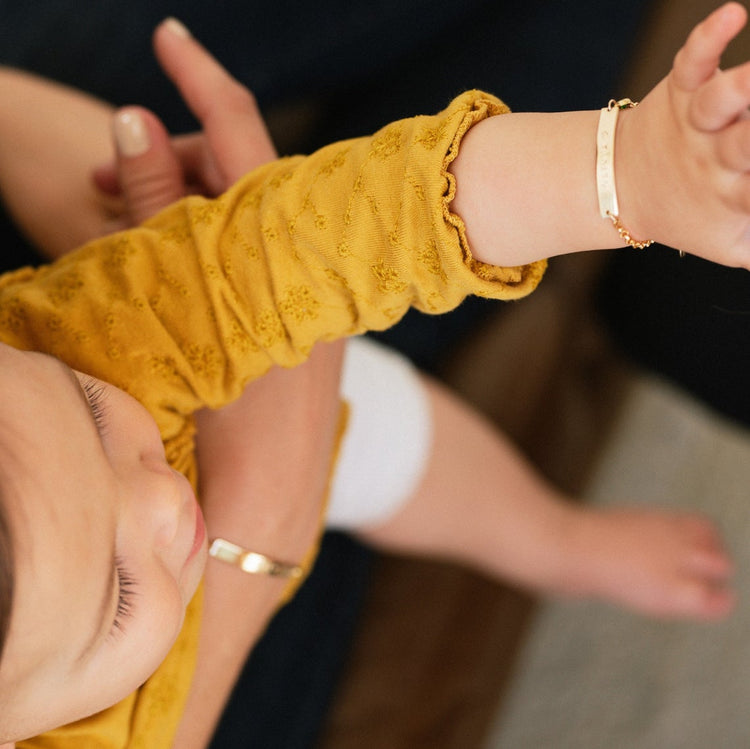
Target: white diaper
[388,440]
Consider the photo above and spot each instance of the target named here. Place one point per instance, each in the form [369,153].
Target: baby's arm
[681,163]
[316,248]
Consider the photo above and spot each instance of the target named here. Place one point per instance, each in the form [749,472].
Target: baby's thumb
[149,172]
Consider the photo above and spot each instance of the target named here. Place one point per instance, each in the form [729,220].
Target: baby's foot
[664,564]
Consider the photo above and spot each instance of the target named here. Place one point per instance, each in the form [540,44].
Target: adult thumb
[148,170]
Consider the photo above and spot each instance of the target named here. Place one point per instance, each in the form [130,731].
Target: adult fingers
[149,173]
[201,175]
[227,110]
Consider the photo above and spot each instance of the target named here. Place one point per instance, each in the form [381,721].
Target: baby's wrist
[615,171]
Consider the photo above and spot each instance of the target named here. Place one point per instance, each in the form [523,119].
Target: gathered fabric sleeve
[183,311]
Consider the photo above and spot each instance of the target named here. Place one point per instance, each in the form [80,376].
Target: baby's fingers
[734,147]
[722,100]
[698,59]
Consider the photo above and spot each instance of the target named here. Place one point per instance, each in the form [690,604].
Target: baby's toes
[700,530]
[710,564]
[701,534]
[699,598]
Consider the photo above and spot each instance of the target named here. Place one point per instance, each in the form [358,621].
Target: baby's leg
[461,491]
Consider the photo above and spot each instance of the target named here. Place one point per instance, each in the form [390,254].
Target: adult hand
[234,140]
[46,162]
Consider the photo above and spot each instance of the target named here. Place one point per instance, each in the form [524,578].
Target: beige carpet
[594,678]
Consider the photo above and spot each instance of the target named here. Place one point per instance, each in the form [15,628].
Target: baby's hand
[659,563]
[683,155]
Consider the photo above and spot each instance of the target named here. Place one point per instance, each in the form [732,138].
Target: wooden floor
[423,667]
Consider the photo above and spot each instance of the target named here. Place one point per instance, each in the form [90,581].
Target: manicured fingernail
[177,27]
[131,134]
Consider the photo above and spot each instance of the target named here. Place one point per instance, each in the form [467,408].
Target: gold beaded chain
[626,236]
